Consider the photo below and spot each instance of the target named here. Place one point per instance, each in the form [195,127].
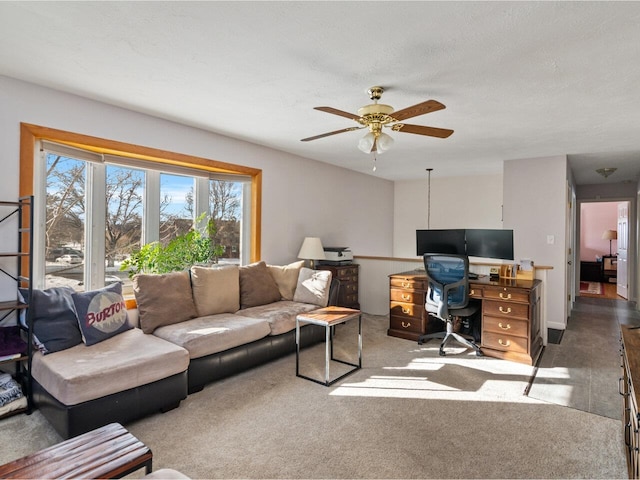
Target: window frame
[30,135]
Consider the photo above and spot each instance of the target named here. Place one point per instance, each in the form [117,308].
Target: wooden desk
[510,314]
[107,452]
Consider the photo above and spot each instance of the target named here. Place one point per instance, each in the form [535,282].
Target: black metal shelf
[23,211]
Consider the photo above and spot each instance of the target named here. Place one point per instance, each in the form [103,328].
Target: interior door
[623,246]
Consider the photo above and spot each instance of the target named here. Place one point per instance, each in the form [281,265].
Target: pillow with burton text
[101,313]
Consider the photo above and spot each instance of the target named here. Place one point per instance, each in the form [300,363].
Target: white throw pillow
[313,287]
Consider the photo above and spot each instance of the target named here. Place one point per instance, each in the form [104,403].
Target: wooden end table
[329,317]
[107,452]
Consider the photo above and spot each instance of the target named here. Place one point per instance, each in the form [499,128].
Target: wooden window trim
[30,134]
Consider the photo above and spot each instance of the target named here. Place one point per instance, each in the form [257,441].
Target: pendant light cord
[429,199]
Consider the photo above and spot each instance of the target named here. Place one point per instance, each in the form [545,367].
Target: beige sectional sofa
[189,329]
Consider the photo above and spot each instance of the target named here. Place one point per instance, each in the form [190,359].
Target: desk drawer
[408,283]
[406,309]
[347,274]
[506,343]
[475,292]
[406,296]
[506,293]
[505,326]
[415,325]
[505,309]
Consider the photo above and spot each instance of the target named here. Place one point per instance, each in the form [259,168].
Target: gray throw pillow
[55,324]
[257,286]
[101,313]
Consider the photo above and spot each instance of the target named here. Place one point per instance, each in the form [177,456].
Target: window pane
[176,206]
[123,225]
[225,202]
[65,219]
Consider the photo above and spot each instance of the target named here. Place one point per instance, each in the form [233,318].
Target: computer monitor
[440,241]
[489,243]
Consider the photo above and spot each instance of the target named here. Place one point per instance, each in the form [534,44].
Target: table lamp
[311,249]
[610,235]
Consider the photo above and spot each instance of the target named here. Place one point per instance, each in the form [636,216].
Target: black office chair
[448,296]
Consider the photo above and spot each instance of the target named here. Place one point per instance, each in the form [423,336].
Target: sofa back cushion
[163,299]
[313,287]
[216,290]
[286,278]
[55,324]
[257,286]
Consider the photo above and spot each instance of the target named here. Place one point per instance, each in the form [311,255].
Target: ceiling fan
[376,115]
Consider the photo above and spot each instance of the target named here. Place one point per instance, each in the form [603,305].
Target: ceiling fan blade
[422,130]
[330,133]
[335,111]
[419,109]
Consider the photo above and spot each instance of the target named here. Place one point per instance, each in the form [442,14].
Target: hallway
[582,371]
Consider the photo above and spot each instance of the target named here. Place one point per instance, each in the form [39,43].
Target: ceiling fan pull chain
[374,162]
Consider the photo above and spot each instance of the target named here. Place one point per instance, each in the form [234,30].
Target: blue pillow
[101,313]
[55,325]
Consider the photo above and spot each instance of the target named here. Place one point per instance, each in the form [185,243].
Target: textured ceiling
[519,79]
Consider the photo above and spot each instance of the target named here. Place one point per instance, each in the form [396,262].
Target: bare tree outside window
[124,212]
[225,210]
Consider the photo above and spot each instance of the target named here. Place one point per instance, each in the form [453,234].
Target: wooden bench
[107,452]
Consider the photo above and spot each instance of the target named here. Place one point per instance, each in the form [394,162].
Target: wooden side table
[106,452]
[329,317]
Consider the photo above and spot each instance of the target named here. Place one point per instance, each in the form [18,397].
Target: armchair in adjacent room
[448,297]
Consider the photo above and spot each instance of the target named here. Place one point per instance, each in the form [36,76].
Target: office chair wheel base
[479,353]
[442,353]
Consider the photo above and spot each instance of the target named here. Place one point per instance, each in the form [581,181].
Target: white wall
[456,202]
[300,196]
[535,196]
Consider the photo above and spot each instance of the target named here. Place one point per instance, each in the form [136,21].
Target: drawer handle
[406,297]
[503,343]
[508,296]
[507,327]
[406,311]
[502,310]
[406,325]
[472,292]
[406,285]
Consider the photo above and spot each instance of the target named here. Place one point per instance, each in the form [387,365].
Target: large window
[98,208]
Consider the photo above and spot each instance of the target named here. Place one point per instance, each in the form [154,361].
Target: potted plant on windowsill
[191,248]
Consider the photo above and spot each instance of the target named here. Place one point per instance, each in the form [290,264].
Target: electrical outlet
[551,239]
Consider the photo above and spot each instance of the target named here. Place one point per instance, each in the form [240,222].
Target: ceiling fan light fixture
[366,143]
[384,142]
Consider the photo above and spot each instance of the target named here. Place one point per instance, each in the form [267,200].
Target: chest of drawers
[348,276]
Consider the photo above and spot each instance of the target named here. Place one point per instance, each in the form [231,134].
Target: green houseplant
[191,248]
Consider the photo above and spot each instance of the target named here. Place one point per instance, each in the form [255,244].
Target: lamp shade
[311,249]
[366,143]
[610,235]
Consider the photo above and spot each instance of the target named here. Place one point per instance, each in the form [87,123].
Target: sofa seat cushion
[128,360]
[280,315]
[214,333]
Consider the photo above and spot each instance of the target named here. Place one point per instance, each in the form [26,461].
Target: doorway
[603,240]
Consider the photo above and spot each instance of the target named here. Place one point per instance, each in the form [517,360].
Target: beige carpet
[407,414]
